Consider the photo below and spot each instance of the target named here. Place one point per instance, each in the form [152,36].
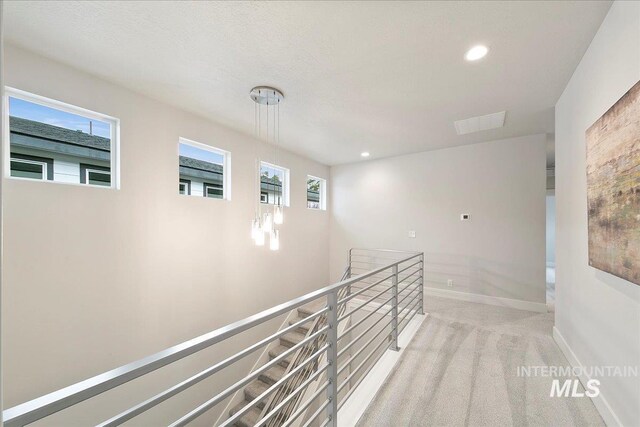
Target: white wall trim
[539,307]
[359,401]
[600,402]
[551,264]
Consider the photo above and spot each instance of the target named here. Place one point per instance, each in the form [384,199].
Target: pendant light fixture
[268,99]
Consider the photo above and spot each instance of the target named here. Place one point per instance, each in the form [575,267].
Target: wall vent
[480,123]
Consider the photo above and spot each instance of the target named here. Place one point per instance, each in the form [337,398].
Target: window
[274,184]
[184,187]
[203,170]
[213,190]
[95,175]
[316,193]
[31,167]
[53,141]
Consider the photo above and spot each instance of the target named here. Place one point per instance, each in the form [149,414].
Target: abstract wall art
[613,188]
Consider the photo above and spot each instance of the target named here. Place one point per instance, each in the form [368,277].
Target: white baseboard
[358,402]
[600,402]
[539,307]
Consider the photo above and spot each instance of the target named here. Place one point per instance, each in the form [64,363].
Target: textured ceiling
[388,78]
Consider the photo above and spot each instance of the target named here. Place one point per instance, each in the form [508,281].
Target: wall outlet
[412,234]
[450,283]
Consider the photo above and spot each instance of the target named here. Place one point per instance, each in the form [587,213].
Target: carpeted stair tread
[254,390]
[249,419]
[291,338]
[277,351]
[273,374]
[303,328]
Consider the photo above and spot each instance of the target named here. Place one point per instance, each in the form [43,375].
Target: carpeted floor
[461,370]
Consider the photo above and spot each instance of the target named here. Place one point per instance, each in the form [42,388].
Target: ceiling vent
[477,124]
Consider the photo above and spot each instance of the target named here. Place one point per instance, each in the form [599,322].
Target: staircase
[272,375]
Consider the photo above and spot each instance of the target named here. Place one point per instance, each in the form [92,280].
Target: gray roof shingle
[191,163]
[55,133]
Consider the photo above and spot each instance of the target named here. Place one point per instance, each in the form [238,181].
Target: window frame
[26,158]
[86,168]
[209,185]
[187,187]
[286,187]
[114,158]
[226,167]
[322,194]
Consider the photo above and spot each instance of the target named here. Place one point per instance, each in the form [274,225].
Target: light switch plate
[412,234]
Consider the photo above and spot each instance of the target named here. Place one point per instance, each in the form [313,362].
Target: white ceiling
[388,78]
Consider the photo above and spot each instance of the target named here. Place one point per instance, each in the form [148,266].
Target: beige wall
[500,252]
[95,278]
[597,314]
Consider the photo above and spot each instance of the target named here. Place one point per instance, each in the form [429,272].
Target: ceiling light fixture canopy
[266,95]
[476,53]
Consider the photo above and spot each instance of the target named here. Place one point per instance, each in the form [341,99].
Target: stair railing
[400,277]
[296,382]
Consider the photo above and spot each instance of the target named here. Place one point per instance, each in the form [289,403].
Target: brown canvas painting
[613,188]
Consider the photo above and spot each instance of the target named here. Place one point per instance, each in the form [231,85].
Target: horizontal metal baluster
[319,411]
[363,363]
[362,377]
[305,405]
[275,410]
[406,268]
[252,376]
[409,294]
[412,307]
[357,353]
[363,333]
[409,275]
[376,296]
[349,329]
[295,382]
[415,311]
[412,289]
[413,315]
[193,414]
[355,294]
[407,286]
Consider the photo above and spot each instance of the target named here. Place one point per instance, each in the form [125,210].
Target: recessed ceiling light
[365,154]
[476,52]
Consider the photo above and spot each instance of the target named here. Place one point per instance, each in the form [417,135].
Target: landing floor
[461,370]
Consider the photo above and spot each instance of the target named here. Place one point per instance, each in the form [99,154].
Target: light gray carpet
[460,370]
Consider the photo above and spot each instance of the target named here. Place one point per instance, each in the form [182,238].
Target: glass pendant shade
[274,240]
[267,223]
[259,239]
[278,215]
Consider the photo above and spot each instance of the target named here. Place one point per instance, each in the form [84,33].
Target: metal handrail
[51,403]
